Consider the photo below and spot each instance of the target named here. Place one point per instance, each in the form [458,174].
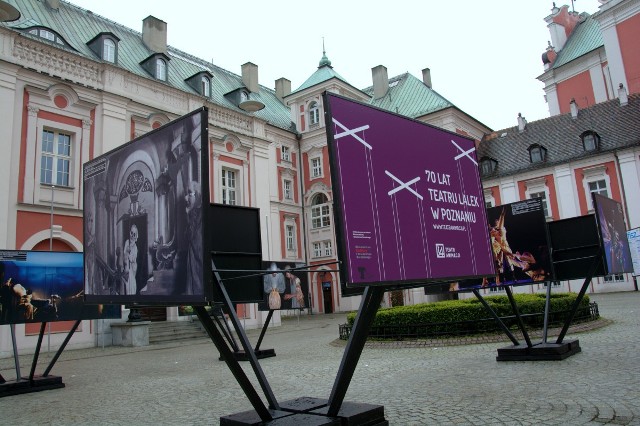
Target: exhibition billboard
[45,286]
[408,200]
[284,287]
[613,235]
[143,218]
[633,236]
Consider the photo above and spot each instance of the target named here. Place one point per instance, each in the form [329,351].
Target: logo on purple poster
[409,201]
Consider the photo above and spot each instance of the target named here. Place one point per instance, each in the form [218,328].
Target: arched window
[206,85]
[109,50]
[320,214]
[537,153]
[590,141]
[314,113]
[161,69]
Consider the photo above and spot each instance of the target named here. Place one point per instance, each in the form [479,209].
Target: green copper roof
[323,73]
[585,38]
[77,26]
[409,96]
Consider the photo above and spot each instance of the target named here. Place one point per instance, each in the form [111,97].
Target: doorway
[327,297]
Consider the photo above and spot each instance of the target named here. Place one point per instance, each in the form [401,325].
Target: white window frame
[489,201]
[290,234]
[287,189]
[161,69]
[315,165]
[317,249]
[320,216]
[328,248]
[109,50]
[206,86]
[314,114]
[593,175]
[535,187]
[229,186]
[613,278]
[57,159]
[285,153]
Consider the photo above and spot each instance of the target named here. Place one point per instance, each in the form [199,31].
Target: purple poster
[613,234]
[409,202]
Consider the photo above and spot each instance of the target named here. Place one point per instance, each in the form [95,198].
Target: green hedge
[469,316]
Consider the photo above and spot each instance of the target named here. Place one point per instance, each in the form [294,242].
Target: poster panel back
[143,218]
[409,205]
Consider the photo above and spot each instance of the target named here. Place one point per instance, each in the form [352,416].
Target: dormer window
[49,35]
[487,166]
[244,96]
[105,46]
[590,141]
[201,83]
[314,114]
[157,65]
[161,69]
[537,154]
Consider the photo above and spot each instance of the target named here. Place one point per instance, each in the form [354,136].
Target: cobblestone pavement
[186,384]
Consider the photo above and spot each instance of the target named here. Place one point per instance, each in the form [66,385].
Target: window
[598,187]
[285,153]
[47,35]
[489,201]
[328,250]
[109,50]
[495,289]
[290,237]
[55,162]
[244,96]
[590,141]
[537,153]
[314,114]
[287,189]
[545,204]
[206,84]
[487,166]
[614,278]
[320,212]
[161,69]
[316,167]
[228,187]
[317,250]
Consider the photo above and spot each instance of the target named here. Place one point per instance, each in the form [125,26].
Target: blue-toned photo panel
[42,286]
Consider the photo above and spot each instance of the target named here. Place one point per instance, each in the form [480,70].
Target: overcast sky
[484,56]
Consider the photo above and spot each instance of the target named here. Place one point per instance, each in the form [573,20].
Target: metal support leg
[64,345]
[233,364]
[547,305]
[516,311]
[264,328]
[37,352]
[366,314]
[594,267]
[497,318]
[16,358]
[224,328]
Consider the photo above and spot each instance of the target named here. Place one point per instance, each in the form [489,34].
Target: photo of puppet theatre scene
[45,287]
[613,232]
[283,287]
[143,216]
[520,246]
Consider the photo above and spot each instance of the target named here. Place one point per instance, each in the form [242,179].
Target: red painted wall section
[305,171]
[578,87]
[553,198]
[495,192]
[31,329]
[52,116]
[29,223]
[92,134]
[278,155]
[302,123]
[566,19]
[326,174]
[249,174]
[628,37]
[610,170]
[23,146]
[132,130]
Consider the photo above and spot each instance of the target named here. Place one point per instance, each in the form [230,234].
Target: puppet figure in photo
[294,290]
[274,285]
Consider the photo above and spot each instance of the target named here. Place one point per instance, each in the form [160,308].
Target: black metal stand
[544,350]
[36,383]
[240,354]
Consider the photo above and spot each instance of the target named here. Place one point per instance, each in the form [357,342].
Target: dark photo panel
[409,205]
[236,251]
[45,286]
[613,234]
[520,246]
[283,287]
[143,218]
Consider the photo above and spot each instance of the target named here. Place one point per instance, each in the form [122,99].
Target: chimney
[53,4]
[154,34]
[561,24]
[380,81]
[622,95]
[573,106]
[250,76]
[426,77]
[522,123]
[283,88]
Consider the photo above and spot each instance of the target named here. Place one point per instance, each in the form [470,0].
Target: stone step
[175,330]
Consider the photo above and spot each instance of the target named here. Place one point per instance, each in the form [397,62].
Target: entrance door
[326,296]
